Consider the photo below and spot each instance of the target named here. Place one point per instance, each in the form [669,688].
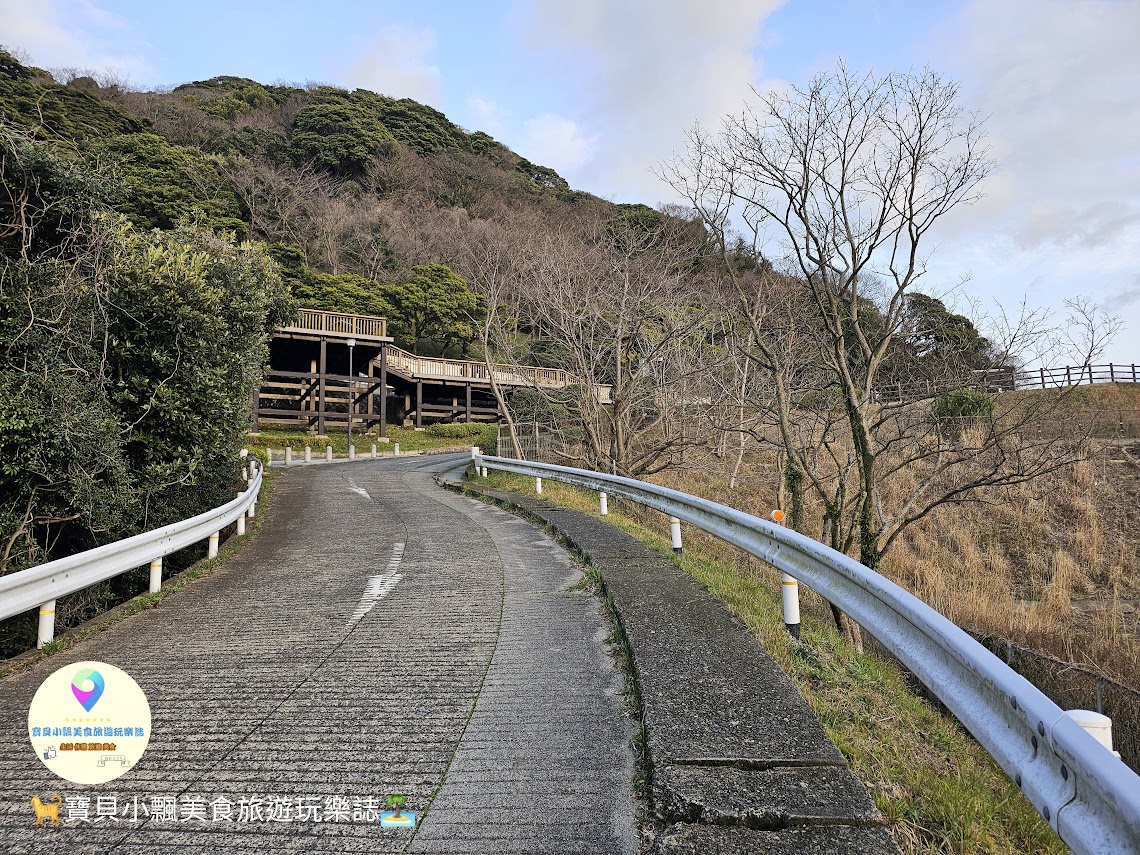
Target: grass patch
[409,439]
[937,788]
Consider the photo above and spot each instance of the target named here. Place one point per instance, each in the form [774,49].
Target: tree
[395,802]
[847,179]
[127,361]
[339,135]
[436,305]
[617,302]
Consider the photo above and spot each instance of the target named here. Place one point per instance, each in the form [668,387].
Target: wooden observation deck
[309,385]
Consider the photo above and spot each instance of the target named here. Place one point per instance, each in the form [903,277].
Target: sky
[602,91]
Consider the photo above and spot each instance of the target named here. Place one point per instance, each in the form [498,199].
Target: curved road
[379,636]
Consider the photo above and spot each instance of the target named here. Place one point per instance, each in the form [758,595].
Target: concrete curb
[738,763]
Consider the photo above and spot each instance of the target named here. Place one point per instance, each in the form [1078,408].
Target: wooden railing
[1008,380]
[339,324]
[428,367]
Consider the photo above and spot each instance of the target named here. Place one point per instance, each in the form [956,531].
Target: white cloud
[646,71]
[555,141]
[400,64]
[65,33]
[1062,213]
[488,115]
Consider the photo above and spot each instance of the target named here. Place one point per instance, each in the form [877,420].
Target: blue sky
[602,90]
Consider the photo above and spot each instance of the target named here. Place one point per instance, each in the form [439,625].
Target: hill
[348,188]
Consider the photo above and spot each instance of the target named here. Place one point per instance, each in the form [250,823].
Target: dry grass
[1048,565]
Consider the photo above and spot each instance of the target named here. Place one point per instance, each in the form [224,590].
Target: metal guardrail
[1088,796]
[44,584]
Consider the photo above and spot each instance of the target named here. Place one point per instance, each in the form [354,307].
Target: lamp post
[351,389]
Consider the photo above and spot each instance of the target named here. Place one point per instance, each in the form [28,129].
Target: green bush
[963,405]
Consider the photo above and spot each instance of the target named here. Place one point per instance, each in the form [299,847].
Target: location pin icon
[87,685]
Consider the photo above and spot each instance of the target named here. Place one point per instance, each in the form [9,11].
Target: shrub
[963,405]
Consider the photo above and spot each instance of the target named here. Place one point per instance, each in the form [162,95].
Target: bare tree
[619,305]
[845,181]
[490,258]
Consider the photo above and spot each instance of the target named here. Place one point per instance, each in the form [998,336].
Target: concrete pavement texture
[379,636]
[738,762]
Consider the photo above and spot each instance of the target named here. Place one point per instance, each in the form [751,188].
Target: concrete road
[379,636]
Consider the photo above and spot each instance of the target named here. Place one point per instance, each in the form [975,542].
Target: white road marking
[379,585]
[360,491]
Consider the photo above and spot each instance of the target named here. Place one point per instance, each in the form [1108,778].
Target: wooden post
[371,395]
[467,417]
[383,391]
[1043,377]
[419,403]
[321,391]
[256,406]
[1111,374]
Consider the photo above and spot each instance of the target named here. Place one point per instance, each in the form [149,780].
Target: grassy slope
[938,789]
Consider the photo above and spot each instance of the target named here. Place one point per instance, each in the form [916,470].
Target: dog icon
[50,811]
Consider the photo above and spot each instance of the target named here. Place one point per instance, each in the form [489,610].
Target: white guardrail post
[1088,796]
[43,585]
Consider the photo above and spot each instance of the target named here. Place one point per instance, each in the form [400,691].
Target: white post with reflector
[212,548]
[1098,726]
[155,575]
[790,591]
[288,455]
[47,624]
[603,500]
[538,486]
[675,535]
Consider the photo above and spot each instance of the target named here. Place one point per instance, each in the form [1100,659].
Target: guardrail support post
[155,575]
[603,499]
[47,624]
[212,548]
[328,453]
[352,452]
[289,456]
[675,534]
[474,451]
[252,509]
[308,454]
[790,589]
[241,525]
[790,592]
[373,456]
[1096,725]
[538,486]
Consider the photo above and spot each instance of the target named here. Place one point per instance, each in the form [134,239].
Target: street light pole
[351,389]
